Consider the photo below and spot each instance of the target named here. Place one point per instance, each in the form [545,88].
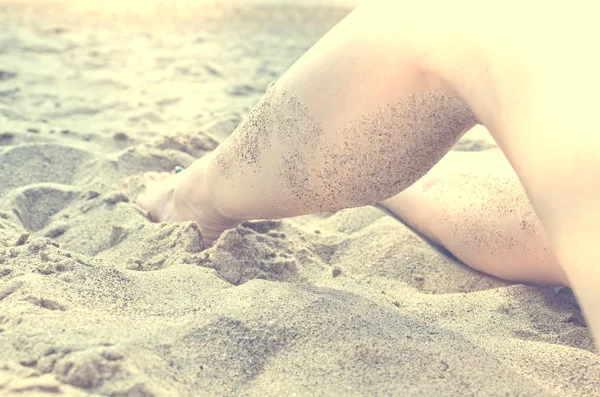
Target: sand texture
[96,300]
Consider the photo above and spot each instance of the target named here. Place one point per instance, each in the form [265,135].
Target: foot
[179,197]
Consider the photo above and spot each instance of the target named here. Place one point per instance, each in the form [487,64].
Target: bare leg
[353,122]
[472,203]
[545,83]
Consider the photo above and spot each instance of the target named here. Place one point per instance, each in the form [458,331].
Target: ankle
[192,196]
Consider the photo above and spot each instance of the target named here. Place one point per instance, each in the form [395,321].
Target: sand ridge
[95,299]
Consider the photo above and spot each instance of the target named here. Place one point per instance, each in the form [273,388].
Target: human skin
[395,75]
[473,204]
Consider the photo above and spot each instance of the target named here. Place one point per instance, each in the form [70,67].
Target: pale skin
[536,105]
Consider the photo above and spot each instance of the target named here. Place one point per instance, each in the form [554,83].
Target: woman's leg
[555,150]
[353,122]
[546,83]
[472,203]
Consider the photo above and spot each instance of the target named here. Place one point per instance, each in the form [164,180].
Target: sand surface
[97,300]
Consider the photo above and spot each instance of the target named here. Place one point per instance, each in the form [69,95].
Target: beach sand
[95,299]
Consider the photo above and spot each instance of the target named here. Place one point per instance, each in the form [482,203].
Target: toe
[150,176]
[130,181]
[156,176]
[163,175]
